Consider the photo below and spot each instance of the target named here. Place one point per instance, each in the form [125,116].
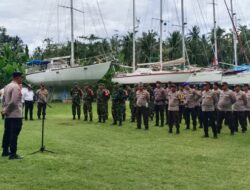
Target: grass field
[93,156]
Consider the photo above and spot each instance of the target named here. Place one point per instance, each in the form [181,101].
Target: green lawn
[93,156]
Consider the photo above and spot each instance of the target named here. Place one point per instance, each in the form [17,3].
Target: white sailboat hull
[67,76]
[240,78]
[164,77]
[205,76]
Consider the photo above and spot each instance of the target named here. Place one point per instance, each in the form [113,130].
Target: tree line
[199,47]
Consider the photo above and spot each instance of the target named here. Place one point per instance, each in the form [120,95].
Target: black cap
[17,74]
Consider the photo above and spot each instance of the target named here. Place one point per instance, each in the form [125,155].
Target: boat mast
[183,32]
[72,58]
[134,32]
[215,35]
[234,34]
[161,28]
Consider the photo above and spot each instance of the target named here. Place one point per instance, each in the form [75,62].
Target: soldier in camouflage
[118,104]
[88,96]
[76,94]
[102,100]
[132,102]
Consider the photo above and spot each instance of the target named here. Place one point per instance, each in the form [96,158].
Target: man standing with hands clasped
[12,111]
[142,100]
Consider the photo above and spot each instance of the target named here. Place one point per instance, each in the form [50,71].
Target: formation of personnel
[199,106]
[210,105]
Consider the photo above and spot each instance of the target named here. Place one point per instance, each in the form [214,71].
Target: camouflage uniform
[76,94]
[88,96]
[132,104]
[102,100]
[118,105]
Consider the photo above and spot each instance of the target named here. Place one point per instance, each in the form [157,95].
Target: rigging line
[204,22]
[203,45]
[105,28]
[237,34]
[240,12]
[94,24]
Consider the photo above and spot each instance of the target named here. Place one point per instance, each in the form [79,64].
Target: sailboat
[209,74]
[150,74]
[241,74]
[64,71]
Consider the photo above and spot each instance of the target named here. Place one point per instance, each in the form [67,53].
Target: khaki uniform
[239,109]
[173,111]
[142,103]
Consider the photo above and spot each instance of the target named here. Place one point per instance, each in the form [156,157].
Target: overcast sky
[35,20]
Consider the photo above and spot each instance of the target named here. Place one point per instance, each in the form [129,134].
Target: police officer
[151,101]
[167,89]
[173,109]
[182,102]
[208,104]
[102,99]
[239,109]
[198,105]
[159,99]
[190,100]
[76,94]
[42,99]
[142,102]
[226,101]
[125,97]
[12,110]
[247,92]
[88,97]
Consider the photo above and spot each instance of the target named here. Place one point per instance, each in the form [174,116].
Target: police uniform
[76,94]
[42,99]
[173,111]
[239,111]
[190,101]
[88,96]
[226,100]
[208,105]
[142,101]
[12,110]
[159,99]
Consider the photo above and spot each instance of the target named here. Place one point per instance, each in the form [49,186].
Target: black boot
[170,130]
[115,122]
[74,117]
[178,131]
[120,123]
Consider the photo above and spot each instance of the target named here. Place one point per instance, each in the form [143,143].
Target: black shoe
[5,154]
[232,133]
[177,131]
[15,157]
[200,127]
[187,128]
[156,125]
[205,136]
[215,137]
[115,123]
[170,131]
[194,129]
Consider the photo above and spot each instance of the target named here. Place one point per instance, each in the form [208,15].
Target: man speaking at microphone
[12,111]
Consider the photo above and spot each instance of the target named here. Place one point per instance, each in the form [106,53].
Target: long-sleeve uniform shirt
[209,101]
[241,101]
[142,98]
[173,101]
[191,97]
[226,100]
[159,95]
[248,101]
[42,96]
[12,103]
